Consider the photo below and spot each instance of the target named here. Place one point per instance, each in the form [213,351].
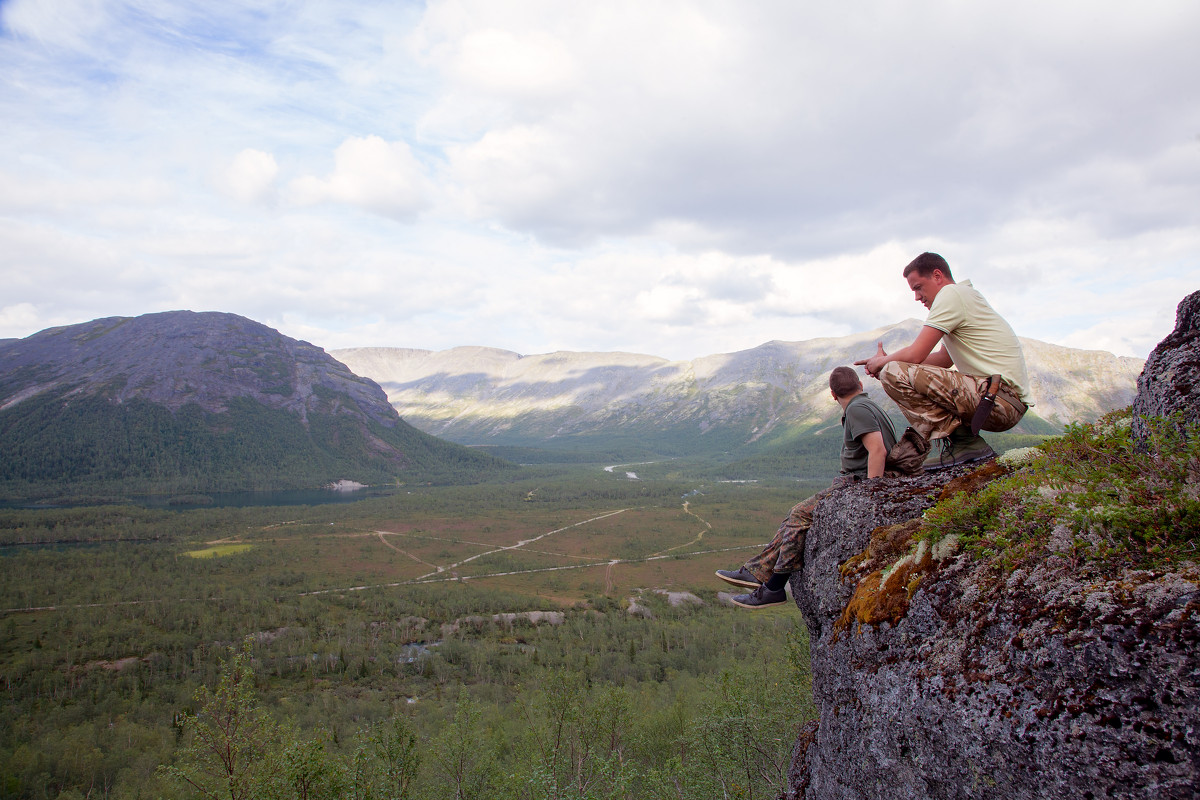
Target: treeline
[565,736]
[53,445]
[99,687]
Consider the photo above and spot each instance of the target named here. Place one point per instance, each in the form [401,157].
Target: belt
[1011,397]
[993,387]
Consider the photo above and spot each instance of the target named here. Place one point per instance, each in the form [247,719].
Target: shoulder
[949,307]
[861,415]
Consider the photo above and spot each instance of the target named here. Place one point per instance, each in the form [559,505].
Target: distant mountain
[775,393]
[185,401]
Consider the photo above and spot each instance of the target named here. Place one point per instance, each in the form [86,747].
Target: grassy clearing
[219,550]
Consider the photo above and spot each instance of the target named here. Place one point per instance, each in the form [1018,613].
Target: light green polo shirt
[977,338]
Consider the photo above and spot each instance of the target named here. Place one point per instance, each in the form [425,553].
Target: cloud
[18,318]
[62,23]
[369,173]
[799,130]
[250,177]
[675,177]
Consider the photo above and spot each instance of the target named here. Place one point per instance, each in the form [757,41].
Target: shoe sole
[736,582]
[973,460]
[759,606]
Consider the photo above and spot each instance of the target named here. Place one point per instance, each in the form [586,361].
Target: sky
[664,177]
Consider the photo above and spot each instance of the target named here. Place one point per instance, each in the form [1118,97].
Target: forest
[389,647]
[87,445]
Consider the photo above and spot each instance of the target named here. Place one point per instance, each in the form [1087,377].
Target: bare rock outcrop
[1170,381]
[937,677]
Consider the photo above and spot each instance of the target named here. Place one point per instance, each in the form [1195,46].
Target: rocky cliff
[1059,661]
[1170,383]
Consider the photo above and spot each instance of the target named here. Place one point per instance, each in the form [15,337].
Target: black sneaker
[739,577]
[762,597]
[959,448]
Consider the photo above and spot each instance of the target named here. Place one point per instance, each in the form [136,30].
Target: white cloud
[63,23]
[847,123]
[250,177]
[18,320]
[381,177]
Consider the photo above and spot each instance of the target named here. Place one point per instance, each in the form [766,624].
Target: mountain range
[770,394]
[183,401]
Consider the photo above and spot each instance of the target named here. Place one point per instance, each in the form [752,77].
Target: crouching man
[975,381]
[867,436]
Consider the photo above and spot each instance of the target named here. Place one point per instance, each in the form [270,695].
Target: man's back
[863,415]
[978,339]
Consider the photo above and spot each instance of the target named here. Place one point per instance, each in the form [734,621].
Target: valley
[520,605]
[399,610]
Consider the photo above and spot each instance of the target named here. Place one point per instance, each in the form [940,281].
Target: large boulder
[938,677]
[1170,380]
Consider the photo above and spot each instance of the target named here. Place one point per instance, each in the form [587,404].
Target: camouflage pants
[785,553]
[936,401]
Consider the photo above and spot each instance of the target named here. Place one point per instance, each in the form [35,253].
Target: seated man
[940,402]
[867,435]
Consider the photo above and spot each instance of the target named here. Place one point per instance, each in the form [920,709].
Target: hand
[875,363]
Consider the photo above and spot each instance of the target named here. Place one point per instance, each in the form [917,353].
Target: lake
[186,502]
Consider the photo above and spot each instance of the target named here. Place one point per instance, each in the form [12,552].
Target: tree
[228,738]
[386,762]
[303,769]
[459,753]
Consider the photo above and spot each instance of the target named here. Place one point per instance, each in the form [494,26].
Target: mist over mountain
[199,401]
[769,394]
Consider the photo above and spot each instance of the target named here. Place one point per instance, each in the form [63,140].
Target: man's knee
[893,373]
[896,379]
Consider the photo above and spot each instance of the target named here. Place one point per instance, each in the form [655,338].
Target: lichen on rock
[950,677]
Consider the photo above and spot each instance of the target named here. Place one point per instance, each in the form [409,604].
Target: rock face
[1170,381]
[937,676]
[1033,684]
[178,358]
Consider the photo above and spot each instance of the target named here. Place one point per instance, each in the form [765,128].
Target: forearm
[921,351]
[876,464]
[876,454]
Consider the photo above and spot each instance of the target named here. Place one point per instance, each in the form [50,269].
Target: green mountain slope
[200,402]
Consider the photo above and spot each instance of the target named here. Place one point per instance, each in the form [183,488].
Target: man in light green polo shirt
[939,390]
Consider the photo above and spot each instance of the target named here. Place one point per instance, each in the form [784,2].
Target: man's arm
[919,352]
[876,453]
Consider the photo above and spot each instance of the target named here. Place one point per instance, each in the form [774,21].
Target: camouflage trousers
[785,553]
[936,400]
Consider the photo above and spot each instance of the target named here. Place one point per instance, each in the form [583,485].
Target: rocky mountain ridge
[481,395]
[178,358]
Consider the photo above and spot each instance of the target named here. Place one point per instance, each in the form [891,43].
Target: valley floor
[396,609]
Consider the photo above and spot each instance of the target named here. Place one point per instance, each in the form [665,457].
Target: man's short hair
[844,381]
[926,263]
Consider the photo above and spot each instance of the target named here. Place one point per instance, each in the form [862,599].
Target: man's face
[926,287]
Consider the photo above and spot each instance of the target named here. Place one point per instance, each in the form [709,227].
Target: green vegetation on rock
[1093,495]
